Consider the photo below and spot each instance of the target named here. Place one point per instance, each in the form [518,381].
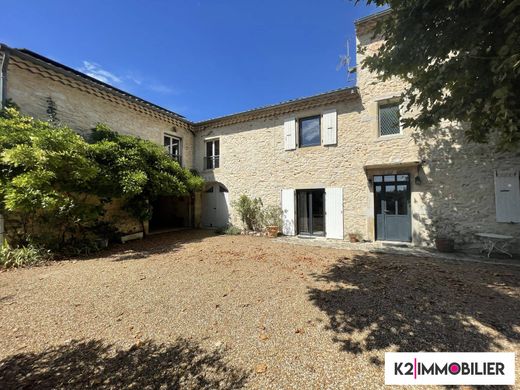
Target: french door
[392,207]
[310,205]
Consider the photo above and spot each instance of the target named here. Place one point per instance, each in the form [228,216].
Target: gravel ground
[194,310]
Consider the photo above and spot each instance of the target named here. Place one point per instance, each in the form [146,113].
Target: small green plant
[229,230]
[25,256]
[273,216]
[250,211]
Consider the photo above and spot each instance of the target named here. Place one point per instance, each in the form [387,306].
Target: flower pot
[353,237]
[445,245]
[272,231]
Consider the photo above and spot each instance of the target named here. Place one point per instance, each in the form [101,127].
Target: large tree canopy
[461,60]
[55,184]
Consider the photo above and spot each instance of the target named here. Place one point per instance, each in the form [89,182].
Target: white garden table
[494,242]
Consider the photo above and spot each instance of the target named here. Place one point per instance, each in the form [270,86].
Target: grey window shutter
[507,196]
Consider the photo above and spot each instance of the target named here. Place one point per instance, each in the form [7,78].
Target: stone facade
[81,106]
[453,195]
[452,182]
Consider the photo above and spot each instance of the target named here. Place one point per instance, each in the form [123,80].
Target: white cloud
[129,80]
[96,71]
[160,88]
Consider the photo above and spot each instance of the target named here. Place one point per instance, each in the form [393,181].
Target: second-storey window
[212,154]
[309,131]
[173,147]
[389,119]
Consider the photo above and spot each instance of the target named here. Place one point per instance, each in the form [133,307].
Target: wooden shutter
[507,196]
[290,134]
[334,213]
[329,130]
[288,208]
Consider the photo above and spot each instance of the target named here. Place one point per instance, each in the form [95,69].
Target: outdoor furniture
[494,242]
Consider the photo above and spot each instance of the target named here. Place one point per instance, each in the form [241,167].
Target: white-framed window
[389,118]
[173,147]
[212,158]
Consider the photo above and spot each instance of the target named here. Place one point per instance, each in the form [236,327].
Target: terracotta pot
[446,245]
[272,231]
[353,237]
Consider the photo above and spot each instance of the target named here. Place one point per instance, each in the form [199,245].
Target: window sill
[308,146]
[389,137]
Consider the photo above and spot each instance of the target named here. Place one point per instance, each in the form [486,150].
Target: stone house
[338,163]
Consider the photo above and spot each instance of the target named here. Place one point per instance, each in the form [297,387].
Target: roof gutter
[4,61]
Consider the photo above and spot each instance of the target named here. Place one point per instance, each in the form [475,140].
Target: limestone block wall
[253,160]
[457,195]
[81,108]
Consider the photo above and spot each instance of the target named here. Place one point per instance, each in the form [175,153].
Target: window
[212,154]
[173,147]
[389,119]
[309,131]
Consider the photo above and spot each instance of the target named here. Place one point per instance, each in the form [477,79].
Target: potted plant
[273,219]
[353,237]
[443,242]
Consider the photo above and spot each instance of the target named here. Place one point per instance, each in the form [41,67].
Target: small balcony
[211,162]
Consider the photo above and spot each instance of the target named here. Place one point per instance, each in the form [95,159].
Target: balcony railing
[211,162]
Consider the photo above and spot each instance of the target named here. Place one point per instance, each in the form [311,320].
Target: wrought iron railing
[211,162]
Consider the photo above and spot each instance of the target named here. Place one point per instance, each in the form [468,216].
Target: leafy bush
[273,216]
[22,257]
[229,230]
[54,185]
[250,211]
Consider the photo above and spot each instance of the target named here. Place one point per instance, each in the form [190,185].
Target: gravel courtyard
[194,310]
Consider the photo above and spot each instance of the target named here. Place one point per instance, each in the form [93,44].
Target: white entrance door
[215,206]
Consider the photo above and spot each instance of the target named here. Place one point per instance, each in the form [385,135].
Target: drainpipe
[4,61]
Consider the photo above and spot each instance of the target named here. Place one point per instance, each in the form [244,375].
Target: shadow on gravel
[152,245]
[418,305]
[93,364]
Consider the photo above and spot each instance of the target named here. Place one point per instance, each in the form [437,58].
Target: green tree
[137,170]
[45,177]
[55,185]
[461,60]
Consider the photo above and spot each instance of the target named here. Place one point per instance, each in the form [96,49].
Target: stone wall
[456,191]
[29,86]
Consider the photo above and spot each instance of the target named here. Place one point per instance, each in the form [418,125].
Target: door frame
[409,201]
[297,209]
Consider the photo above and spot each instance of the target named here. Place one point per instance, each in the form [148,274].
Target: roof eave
[275,109]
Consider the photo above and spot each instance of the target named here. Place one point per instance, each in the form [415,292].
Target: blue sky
[200,58]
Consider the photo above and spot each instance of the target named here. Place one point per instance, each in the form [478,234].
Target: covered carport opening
[171,212]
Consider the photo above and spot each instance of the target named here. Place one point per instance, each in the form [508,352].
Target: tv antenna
[344,62]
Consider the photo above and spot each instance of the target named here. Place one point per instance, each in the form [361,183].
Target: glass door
[392,207]
[311,212]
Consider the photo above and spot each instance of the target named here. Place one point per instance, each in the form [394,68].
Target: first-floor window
[310,131]
[212,154]
[173,147]
[389,119]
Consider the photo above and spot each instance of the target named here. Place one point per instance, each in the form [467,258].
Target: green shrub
[228,229]
[22,257]
[250,212]
[54,185]
[273,216]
